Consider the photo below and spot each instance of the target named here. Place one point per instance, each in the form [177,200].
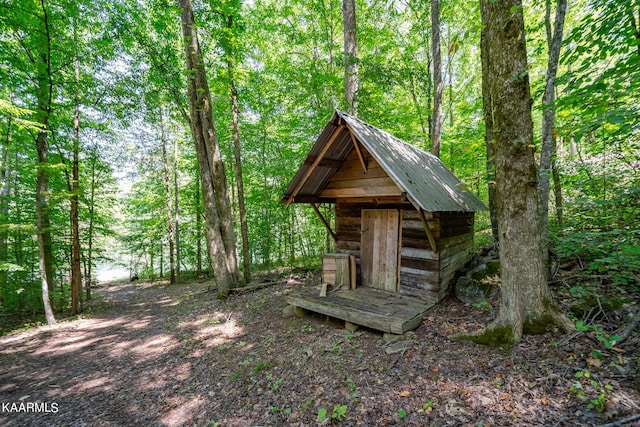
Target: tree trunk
[526,305]
[74,189]
[92,197]
[217,211]
[5,190]
[548,151]
[235,130]
[198,229]
[43,222]
[176,212]
[557,191]
[436,127]
[414,97]
[487,107]
[167,191]
[350,56]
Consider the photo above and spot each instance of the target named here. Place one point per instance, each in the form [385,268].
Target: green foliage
[339,412]
[607,340]
[605,70]
[586,385]
[322,414]
[483,305]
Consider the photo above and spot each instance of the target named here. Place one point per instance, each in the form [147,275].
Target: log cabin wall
[455,245]
[423,272]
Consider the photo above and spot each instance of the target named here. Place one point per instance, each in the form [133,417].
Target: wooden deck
[374,308]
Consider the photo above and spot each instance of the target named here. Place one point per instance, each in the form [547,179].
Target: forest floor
[153,354]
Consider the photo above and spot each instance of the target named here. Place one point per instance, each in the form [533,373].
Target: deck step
[365,306]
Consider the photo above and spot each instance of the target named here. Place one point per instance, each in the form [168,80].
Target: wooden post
[352,271]
[425,224]
[324,221]
[358,151]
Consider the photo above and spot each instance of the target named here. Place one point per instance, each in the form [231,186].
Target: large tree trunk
[350,56]
[436,127]
[548,151]
[526,305]
[43,222]
[167,191]
[217,210]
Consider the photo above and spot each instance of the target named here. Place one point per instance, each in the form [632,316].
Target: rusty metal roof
[423,176]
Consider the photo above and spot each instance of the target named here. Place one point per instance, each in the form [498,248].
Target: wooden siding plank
[361,182]
[361,192]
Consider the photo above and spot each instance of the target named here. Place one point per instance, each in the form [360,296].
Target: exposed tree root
[622,421]
[501,334]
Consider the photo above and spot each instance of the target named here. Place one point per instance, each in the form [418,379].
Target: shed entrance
[380,248]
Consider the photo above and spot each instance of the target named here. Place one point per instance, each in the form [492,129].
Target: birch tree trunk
[217,210]
[436,127]
[548,151]
[526,305]
[350,56]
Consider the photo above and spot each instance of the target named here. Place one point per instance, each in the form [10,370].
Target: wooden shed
[403,221]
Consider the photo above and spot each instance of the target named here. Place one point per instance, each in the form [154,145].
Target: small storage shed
[403,221]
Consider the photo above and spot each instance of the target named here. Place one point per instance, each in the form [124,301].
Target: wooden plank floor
[374,308]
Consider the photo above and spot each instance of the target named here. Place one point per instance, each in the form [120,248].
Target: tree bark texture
[526,305]
[436,128]
[350,56]
[217,210]
[548,151]
[43,223]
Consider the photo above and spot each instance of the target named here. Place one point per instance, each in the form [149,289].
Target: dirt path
[158,355]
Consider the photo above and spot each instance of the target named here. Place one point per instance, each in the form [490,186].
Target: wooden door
[379,248]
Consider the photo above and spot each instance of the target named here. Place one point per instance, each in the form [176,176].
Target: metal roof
[423,176]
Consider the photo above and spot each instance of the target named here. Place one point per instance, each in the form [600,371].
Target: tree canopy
[104,84]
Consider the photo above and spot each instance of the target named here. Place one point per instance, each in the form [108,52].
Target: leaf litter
[150,353]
